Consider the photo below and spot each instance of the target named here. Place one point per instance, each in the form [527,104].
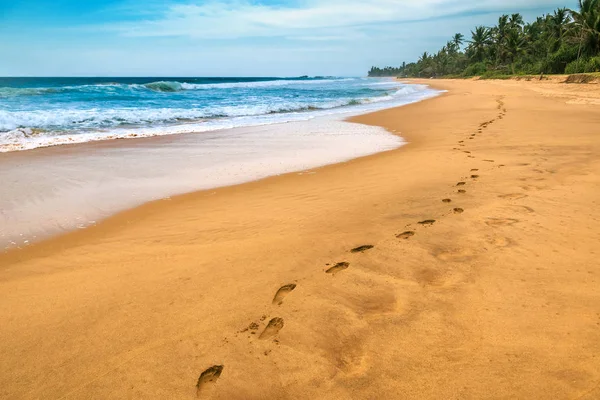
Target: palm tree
[458,39]
[559,20]
[516,21]
[587,23]
[425,64]
[515,47]
[502,27]
[500,32]
[536,38]
[450,48]
[478,45]
[550,43]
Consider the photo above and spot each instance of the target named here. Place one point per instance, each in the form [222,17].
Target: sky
[235,37]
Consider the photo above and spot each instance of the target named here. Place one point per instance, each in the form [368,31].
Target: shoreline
[485,302]
[114,221]
[72,187]
[25,138]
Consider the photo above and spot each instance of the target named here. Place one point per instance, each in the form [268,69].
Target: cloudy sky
[234,37]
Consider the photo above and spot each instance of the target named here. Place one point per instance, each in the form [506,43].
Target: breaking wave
[70,110]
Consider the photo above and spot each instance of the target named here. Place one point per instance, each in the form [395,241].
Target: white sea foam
[63,190]
[88,125]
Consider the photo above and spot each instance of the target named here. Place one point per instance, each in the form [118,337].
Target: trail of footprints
[474,175]
[275,325]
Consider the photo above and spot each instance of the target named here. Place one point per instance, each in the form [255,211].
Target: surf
[77,110]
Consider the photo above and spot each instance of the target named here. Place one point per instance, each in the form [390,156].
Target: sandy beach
[482,283]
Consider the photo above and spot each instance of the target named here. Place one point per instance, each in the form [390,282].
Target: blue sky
[234,37]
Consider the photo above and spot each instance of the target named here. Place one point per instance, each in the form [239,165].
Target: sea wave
[176,86]
[165,86]
[160,86]
[102,119]
[125,109]
[12,91]
[8,92]
[260,84]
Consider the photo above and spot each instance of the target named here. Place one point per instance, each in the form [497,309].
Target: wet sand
[53,190]
[482,282]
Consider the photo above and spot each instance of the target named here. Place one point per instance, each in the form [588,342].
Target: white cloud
[311,18]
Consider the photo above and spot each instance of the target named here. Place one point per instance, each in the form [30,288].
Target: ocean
[207,133]
[40,112]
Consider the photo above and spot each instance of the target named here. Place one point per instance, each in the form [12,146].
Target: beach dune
[463,265]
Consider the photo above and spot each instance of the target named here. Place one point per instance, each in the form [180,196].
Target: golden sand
[483,282]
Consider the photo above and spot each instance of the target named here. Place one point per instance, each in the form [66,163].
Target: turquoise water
[238,130]
[38,112]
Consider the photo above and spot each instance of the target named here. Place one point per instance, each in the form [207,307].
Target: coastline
[151,206]
[52,191]
[476,303]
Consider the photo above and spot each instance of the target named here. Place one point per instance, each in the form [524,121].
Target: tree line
[566,41]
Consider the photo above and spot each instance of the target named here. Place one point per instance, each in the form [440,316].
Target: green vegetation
[566,41]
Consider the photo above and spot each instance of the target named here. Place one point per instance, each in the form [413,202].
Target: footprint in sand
[488,160]
[283,292]
[427,222]
[208,378]
[501,221]
[474,170]
[362,249]
[461,183]
[458,211]
[528,179]
[532,187]
[272,329]
[406,235]
[455,254]
[474,176]
[500,241]
[338,268]
[447,200]
[462,191]
[467,152]
[521,209]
